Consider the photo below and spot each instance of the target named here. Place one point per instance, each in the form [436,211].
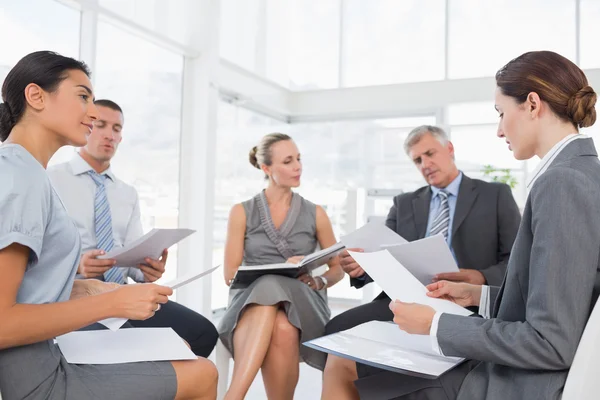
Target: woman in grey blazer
[524,351]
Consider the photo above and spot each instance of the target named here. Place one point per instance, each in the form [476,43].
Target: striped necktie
[442,219]
[103,225]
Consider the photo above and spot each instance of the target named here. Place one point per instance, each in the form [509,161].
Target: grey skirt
[306,309]
[39,371]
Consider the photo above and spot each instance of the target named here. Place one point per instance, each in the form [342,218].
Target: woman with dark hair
[525,343]
[47,104]
[266,323]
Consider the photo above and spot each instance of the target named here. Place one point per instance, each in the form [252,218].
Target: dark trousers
[376,310]
[192,327]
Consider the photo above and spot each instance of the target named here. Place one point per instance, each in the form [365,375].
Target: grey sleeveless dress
[305,308]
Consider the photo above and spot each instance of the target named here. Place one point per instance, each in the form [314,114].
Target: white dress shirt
[484,303]
[77,191]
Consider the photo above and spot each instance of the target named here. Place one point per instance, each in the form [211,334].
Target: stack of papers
[399,284]
[151,245]
[425,258]
[384,345]
[246,274]
[123,346]
[372,237]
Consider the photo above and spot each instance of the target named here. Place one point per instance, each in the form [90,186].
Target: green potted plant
[503,175]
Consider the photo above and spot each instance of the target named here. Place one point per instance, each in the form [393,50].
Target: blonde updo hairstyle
[262,154]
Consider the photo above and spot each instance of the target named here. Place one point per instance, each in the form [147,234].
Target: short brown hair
[558,82]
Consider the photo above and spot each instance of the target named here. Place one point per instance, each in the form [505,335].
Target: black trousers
[192,327]
[376,310]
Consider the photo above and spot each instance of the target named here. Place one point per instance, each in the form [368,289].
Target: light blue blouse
[32,214]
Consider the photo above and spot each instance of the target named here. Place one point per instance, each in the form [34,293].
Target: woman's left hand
[313,283]
[412,318]
[91,287]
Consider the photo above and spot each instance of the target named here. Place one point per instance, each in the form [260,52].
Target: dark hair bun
[252,157]
[6,121]
[581,107]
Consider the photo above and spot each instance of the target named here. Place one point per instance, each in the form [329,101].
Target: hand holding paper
[399,284]
[151,245]
[412,318]
[116,323]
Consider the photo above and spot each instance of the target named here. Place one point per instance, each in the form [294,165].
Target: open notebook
[384,345]
[246,274]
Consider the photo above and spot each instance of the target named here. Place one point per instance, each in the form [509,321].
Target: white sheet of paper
[399,283]
[151,245]
[189,278]
[116,323]
[425,258]
[384,343]
[371,236]
[113,324]
[123,346]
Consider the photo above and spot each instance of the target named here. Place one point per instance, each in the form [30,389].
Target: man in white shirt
[106,212]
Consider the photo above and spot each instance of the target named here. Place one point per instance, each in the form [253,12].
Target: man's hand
[350,266]
[471,276]
[91,267]
[412,318]
[155,268]
[463,294]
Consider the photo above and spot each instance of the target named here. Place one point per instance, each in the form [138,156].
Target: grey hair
[262,154]
[417,134]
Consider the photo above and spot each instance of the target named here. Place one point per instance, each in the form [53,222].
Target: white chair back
[581,382]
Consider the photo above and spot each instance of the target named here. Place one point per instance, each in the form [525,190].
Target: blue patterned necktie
[103,225]
[442,219]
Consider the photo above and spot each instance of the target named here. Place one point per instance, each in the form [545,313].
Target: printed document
[384,345]
[151,245]
[123,346]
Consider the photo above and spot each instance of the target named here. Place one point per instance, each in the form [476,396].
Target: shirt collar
[80,166]
[452,188]
[551,155]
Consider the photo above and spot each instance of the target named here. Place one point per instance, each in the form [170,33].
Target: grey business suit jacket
[486,221]
[552,282]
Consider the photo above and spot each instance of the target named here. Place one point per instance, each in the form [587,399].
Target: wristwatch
[324,280]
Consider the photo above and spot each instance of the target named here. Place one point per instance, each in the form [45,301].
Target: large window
[147,84]
[483,36]
[303,38]
[292,42]
[389,41]
[167,18]
[589,33]
[239,33]
[27,28]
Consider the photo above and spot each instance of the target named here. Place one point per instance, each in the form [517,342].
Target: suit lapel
[466,197]
[420,206]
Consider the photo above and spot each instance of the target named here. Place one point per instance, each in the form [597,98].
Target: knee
[204,339]
[337,324]
[207,373]
[284,333]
